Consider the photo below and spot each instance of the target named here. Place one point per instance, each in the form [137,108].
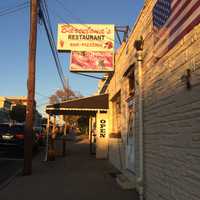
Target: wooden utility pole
[30,112]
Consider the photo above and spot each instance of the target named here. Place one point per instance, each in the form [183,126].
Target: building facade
[154,103]
[15,100]
[22,100]
[5,106]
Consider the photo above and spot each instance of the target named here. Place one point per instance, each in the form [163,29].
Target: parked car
[12,137]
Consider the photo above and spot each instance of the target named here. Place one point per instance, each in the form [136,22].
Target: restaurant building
[154,103]
[146,115]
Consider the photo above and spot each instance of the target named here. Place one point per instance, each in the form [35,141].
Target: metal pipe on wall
[141,151]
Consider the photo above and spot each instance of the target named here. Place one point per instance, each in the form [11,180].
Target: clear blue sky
[14,44]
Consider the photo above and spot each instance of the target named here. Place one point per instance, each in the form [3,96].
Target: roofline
[75,99]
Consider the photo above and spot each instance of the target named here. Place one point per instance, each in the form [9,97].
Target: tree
[53,99]
[63,95]
[18,113]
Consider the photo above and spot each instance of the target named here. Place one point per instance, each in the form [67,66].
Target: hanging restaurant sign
[83,61]
[85,37]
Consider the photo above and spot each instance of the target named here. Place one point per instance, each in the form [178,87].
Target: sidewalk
[78,176]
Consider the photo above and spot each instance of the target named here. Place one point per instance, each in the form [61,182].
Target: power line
[13,7]
[42,104]
[16,8]
[83,74]
[13,11]
[40,94]
[47,24]
[77,18]
[58,65]
[69,11]
[91,76]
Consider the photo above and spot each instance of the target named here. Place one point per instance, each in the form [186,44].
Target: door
[130,146]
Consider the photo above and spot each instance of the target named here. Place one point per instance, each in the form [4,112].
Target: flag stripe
[166,48]
[171,18]
[178,25]
[195,22]
[176,37]
[174,3]
[177,16]
[192,10]
[170,37]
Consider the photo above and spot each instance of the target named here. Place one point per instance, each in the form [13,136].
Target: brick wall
[171,112]
[172,120]
[172,123]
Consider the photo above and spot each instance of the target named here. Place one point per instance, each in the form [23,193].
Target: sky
[15,36]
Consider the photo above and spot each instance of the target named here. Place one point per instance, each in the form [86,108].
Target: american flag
[172,20]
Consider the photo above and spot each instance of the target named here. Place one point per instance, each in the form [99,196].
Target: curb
[9,180]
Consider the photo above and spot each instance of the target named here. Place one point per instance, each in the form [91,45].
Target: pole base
[51,155]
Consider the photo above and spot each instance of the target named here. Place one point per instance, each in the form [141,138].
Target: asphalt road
[9,168]
[11,163]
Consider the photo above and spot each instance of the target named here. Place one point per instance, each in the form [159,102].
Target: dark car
[12,137]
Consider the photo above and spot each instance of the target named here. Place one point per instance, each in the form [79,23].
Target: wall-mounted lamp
[186,78]
[138,44]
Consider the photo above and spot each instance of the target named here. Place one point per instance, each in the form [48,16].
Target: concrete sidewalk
[78,176]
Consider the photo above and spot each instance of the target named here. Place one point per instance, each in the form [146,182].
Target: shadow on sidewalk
[78,176]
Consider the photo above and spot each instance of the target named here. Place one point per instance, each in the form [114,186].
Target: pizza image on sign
[91,61]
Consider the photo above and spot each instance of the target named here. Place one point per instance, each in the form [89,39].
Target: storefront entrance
[95,107]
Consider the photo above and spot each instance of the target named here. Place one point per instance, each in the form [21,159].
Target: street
[8,169]
[11,163]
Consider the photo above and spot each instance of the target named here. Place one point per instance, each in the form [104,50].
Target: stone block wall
[171,111]
[172,123]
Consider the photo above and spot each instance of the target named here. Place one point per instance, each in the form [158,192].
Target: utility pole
[30,112]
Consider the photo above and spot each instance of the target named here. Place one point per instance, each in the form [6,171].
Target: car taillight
[19,136]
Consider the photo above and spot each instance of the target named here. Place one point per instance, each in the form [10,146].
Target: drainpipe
[140,180]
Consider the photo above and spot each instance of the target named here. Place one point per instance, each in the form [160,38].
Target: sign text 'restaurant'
[85,37]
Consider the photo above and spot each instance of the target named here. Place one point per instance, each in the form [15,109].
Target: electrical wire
[16,8]
[87,75]
[40,94]
[77,18]
[51,33]
[13,7]
[70,12]
[47,24]
[59,66]
[42,97]
[42,104]
[62,19]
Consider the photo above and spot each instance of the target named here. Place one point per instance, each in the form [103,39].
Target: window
[118,104]
[131,80]
[117,113]
[130,76]
[131,121]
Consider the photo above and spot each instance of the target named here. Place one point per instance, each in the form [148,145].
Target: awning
[80,106]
